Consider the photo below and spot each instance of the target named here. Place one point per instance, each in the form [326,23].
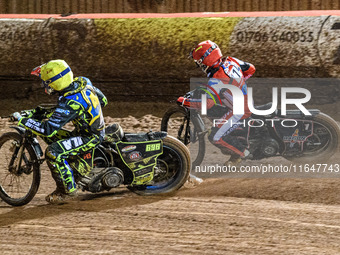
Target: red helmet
[206,54]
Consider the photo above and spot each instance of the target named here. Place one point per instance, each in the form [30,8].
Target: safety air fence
[143,56]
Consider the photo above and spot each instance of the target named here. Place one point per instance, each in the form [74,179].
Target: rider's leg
[220,136]
[57,154]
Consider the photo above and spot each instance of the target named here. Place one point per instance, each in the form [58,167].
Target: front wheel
[172,169]
[176,122]
[19,177]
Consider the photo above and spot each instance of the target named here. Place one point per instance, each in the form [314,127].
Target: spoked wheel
[322,144]
[19,176]
[172,169]
[176,121]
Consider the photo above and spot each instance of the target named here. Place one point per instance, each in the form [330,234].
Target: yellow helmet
[56,75]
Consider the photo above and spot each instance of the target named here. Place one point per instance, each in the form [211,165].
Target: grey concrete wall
[146,59]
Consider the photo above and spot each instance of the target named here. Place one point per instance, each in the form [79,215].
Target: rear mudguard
[297,114]
[143,137]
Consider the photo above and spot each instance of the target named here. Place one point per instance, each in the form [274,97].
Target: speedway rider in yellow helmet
[79,102]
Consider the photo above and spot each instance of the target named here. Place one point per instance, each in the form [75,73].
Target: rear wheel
[19,179]
[172,169]
[322,144]
[176,122]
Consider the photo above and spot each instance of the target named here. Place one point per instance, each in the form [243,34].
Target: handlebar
[39,112]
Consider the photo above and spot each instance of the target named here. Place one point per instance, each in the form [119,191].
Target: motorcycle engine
[101,179]
[112,178]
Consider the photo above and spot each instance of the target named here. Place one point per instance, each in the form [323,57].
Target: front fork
[18,153]
[199,127]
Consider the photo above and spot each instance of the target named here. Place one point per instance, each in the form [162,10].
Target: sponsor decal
[135,155]
[34,125]
[33,122]
[143,178]
[129,148]
[56,115]
[87,156]
[143,171]
[54,119]
[146,160]
[54,124]
[73,142]
[294,138]
[132,165]
[59,110]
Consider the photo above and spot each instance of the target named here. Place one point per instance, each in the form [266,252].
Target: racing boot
[236,159]
[60,197]
[193,181]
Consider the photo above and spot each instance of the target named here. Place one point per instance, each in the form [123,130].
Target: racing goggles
[36,71]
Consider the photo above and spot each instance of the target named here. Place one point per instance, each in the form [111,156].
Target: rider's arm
[66,111]
[102,98]
[41,112]
[193,99]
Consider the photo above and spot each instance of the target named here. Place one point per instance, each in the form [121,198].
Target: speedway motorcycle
[147,163]
[294,136]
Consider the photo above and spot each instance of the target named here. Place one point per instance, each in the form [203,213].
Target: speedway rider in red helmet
[208,56]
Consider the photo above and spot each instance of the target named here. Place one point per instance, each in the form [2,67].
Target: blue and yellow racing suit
[80,103]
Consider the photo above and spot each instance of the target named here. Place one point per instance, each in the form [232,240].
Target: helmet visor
[36,71]
[190,53]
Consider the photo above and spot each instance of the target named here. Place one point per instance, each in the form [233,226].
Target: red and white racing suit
[235,72]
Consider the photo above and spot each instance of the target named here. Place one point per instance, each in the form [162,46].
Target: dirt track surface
[220,216]
[189,222]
